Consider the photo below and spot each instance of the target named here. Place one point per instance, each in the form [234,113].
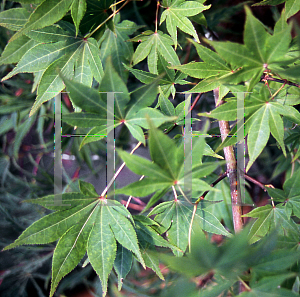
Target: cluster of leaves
[89,52]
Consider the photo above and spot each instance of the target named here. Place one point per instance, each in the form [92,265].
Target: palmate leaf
[152,44]
[211,70]
[175,218]
[129,110]
[62,52]
[270,218]
[176,14]
[89,224]
[260,50]
[166,83]
[167,168]
[262,117]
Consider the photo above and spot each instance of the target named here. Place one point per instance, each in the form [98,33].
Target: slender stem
[231,172]
[195,101]
[115,4]
[130,197]
[282,86]
[112,15]
[156,16]
[175,194]
[221,177]
[266,77]
[118,172]
[256,182]
[184,196]
[191,225]
[244,284]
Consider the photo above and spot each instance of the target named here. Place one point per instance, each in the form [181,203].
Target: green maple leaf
[211,70]
[175,218]
[87,223]
[129,109]
[167,168]
[260,51]
[151,44]
[262,117]
[176,14]
[166,83]
[57,48]
[270,218]
[290,195]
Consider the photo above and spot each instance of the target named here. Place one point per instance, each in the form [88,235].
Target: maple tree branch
[231,171]
[118,172]
[221,177]
[266,77]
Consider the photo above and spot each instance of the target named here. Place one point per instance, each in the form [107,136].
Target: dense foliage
[193,220]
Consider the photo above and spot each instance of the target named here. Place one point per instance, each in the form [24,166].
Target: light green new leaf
[153,44]
[123,231]
[291,7]
[277,128]
[176,216]
[46,14]
[140,118]
[176,16]
[152,262]
[83,119]
[93,53]
[200,70]
[78,9]
[14,19]
[83,72]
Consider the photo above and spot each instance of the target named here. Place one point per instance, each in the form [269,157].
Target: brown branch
[195,101]
[231,172]
[256,182]
[221,177]
[267,77]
